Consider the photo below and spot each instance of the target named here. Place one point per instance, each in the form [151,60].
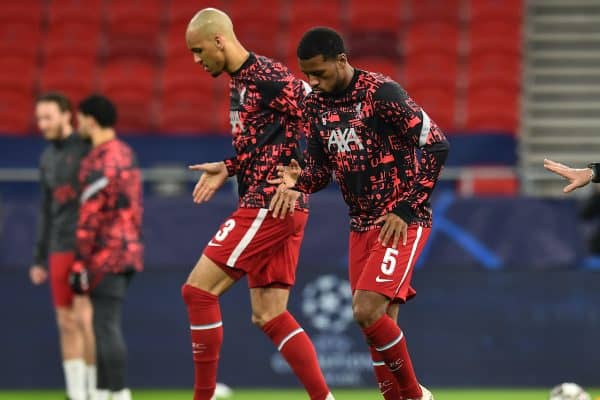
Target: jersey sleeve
[407,124]
[317,170]
[40,251]
[97,187]
[233,165]
[285,95]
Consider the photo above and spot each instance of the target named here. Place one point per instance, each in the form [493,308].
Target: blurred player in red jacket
[109,247]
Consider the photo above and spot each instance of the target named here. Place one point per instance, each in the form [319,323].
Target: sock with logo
[207,335]
[388,387]
[388,340]
[297,349]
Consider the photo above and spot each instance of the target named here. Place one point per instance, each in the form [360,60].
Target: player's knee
[66,322]
[365,314]
[260,318]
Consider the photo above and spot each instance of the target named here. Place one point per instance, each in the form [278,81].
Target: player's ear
[342,59]
[219,42]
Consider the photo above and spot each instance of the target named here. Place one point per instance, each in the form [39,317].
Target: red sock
[388,386]
[297,349]
[207,335]
[388,340]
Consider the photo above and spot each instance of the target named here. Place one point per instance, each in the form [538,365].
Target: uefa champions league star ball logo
[327,303]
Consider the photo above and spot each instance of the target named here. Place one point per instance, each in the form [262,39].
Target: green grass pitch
[340,394]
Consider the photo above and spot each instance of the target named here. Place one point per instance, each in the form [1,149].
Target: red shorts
[251,242]
[385,270]
[59,265]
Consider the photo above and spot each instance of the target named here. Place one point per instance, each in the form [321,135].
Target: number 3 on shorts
[227,227]
[389,261]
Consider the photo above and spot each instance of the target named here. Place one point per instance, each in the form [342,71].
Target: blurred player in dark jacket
[55,242]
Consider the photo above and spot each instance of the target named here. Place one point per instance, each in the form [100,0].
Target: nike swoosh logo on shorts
[212,244]
[381,280]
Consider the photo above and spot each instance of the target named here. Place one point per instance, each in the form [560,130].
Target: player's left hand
[392,229]
[284,202]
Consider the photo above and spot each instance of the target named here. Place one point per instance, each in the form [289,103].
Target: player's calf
[297,349]
[207,336]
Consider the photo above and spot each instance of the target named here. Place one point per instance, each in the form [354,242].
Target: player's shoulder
[267,68]
[382,87]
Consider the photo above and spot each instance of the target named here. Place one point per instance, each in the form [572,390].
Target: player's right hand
[287,174]
[214,176]
[38,274]
[577,177]
[284,202]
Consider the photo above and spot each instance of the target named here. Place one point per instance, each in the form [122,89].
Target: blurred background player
[55,244]
[577,177]
[109,248]
[386,154]
[265,117]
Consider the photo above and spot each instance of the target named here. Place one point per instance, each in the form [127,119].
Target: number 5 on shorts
[389,261]
[227,227]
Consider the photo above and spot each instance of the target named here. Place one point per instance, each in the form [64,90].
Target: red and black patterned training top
[385,151]
[266,123]
[110,215]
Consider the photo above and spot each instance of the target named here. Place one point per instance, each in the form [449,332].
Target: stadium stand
[454,57]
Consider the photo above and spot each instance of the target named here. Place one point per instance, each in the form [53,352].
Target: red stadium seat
[511,10]
[434,10]
[374,30]
[438,101]
[174,42]
[239,10]
[321,13]
[130,74]
[431,68]
[131,84]
[72,76]
[488,181]
[133,28]
[494,34]
[492,108]
[494,68]
[73,39]
[383,66]
[16,113]
[27,12]
[431,37]
[17,75]
[257,34]
[136,112]
[87,12]
[191,112]
[386,15]
[20,40]
[181,74]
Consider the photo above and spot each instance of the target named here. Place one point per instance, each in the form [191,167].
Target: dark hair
[100,108]
[320,41]
[62,101]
